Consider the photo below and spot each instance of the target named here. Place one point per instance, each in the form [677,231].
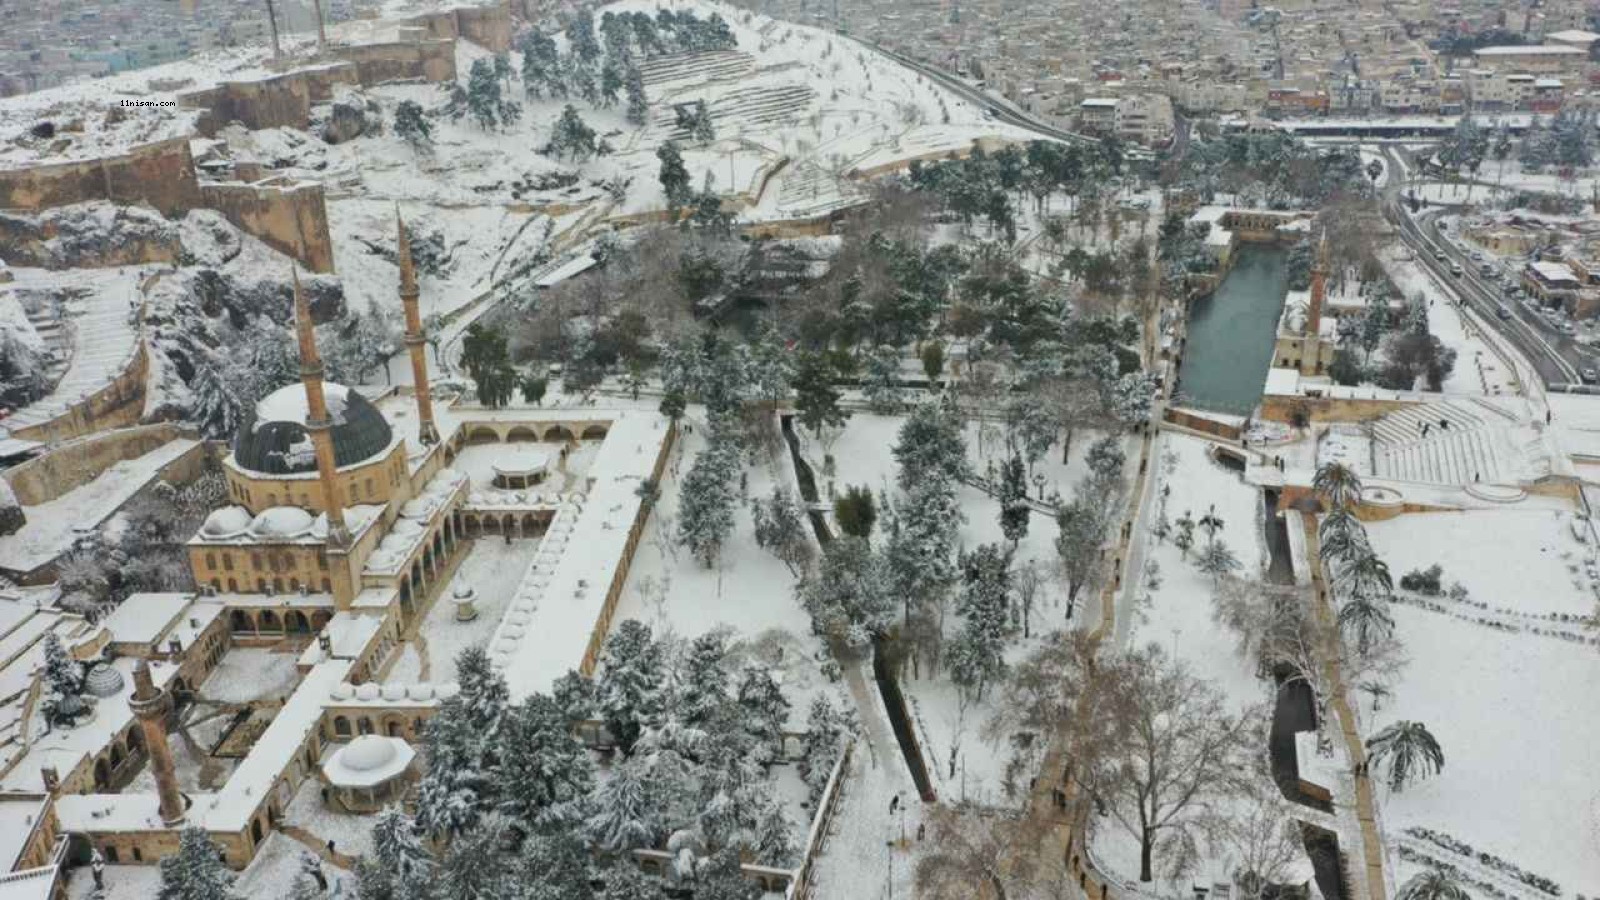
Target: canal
[1231,333]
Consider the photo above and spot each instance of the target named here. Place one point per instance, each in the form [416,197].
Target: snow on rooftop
[1533,50]
[145,618]
[19,814]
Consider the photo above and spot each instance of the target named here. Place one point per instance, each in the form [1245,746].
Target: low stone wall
[76,463]
[280,101]
[432,60]
[292,219]
[116,405]
[1201,424]
[1282,408]
[160,174]
[487,26]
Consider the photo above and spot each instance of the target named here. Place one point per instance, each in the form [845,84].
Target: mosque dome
[274,439]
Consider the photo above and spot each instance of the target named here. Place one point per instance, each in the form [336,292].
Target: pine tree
[816,400]
[400,856]
[411,125]
[626,882]
[721,879]
[581,36]
[556,865]
[922,541]
[217,408]
[705,690]
[472,867]
[701,128]
[773,843]
[483,94]
[706,503]
[488,362]
[540,771]
[822,745]
[780,529]
[977,657]
[62,673]
[765,711]
[630,678]
[611,83]
[623,818]
[930,446]
[574,696]
[1013,495]
[850,595]
[196,871]
[638,104]
[882,388]
[674,177]
[1185,536]
[571,138]
[1217,560]
[855,511]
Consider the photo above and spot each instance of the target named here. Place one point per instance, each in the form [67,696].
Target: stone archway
[296,622]
[483,435]
[558,433]
[594,433]
[239,620]
[522,433]
[269,621]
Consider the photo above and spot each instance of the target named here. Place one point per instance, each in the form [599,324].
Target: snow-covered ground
[492,568]
[1478,369]
[246,674]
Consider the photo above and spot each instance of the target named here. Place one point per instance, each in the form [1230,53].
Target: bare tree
[1255,837]
[1183,748]
[974,856]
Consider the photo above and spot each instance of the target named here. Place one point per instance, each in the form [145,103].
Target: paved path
[319,846]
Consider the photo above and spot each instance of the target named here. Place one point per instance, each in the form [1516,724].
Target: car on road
[1455,269]
[1502,312]
[1589,376]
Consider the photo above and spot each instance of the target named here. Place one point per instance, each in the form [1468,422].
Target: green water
[1231,333]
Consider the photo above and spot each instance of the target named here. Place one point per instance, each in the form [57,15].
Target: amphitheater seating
[1467,441]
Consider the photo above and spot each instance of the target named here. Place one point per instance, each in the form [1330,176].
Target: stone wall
[1282,408]
[159,175]
[487,26]
[292,219]
[280,101]
[116,405]
[431,60]
[79,462]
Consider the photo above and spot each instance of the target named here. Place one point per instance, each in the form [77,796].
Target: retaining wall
[292,219]
[431,60]
[76,463]
[116,405]
[160,174]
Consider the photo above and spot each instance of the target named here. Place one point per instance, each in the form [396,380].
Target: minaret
[415,342]
[1319,278]
[318,423]
[151,706]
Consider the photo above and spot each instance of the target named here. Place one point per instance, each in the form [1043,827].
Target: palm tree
[1364,575]
[1338,484]
[1365,620]
[1342,536]
[1411,751]
[1433,884]
[1211,523]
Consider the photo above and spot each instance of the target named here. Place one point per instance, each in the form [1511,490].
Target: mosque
[348,515]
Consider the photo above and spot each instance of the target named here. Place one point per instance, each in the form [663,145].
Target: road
[1556,357]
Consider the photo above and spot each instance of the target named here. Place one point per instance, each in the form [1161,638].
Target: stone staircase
[1456,441]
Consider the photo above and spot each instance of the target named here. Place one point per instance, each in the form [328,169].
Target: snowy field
[1518,734]
[493,568]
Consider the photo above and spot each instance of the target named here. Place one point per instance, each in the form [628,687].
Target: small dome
[274,439]
[282,522]
[394,691]
[464,592]
[226,522]
[343,691]
[368,691]
[367,753]
[103,681]
[422,691]
[368,761]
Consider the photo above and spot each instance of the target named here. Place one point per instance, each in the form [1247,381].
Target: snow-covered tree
[484,100]
[196,871]
[882,386]
[400,860]
[1013,496]
[921,547]
[816,399]
[1433,884]
[977,655]
[541,772]
[412,126]
[780,529]
[850,596]
[541,65]
[773,843]
[706,685]
[1082,529]
[1132,397]
[930,446]
[571,138]
[581,37]
[456,789]
[611,82]
[1217,560]
[627,882]
[1410,750]
[473,867]
[720,878]
[631,675]
[555,865]
[826,728]
[765,711]
[574,695]
[706,503]
[622,819]
[674,176]
[638,104]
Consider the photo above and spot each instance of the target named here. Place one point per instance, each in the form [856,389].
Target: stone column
[416,342]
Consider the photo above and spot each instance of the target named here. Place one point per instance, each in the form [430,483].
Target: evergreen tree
[849,596]
[217,409]
[721,879]
[1081,528]
[773,842]
[456,790]
[674,177]
[882,388]
[623,818]
[638,104]
[705,690]
[699,124]
[1184,539]
[581,37]
[196,871]
[472,868]
[62,674]
[706,503]
[630,678]
[765,712]
[540,64]
[816,400]
[977,657]
[555,865]
[626,882]
[571,138]
[855,511]
[1217,560]
[1013,495]
[574,696]
[823,744]
[922,540]
[780,529]
[411,125]
[483,94]
[399,855]
[930,446]
[486,359]
[541,772]
[611,83]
